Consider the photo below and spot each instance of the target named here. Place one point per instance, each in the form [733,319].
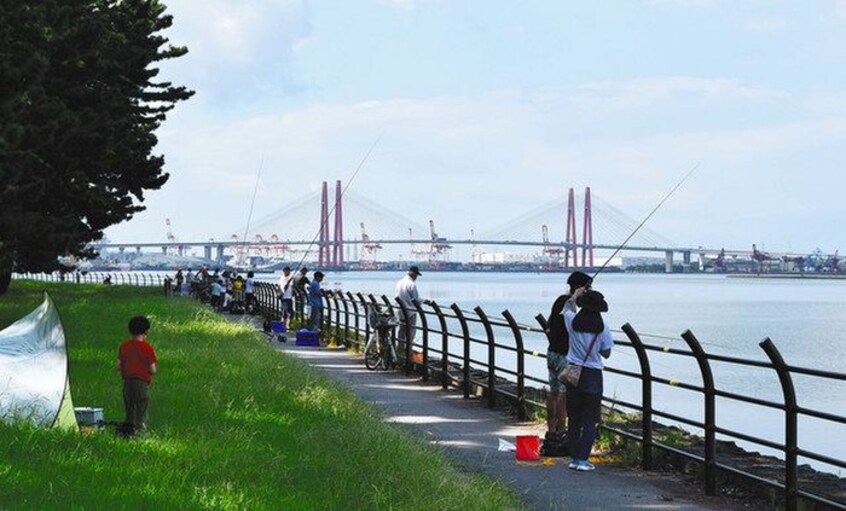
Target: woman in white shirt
[590,337]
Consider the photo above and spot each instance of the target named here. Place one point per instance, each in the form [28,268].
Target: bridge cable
[667,196]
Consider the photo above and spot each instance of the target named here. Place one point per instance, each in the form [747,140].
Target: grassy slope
[234,425]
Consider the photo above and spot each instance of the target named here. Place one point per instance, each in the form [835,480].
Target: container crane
[368,250]
[171,239]
[366,246]
[547,249]
[279,249]
[833,262]
[439,245]
[417,253]
[720,261]
[761,257]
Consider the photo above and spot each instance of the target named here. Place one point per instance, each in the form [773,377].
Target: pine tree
[79,106]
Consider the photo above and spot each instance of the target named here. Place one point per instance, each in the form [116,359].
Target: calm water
[805,319]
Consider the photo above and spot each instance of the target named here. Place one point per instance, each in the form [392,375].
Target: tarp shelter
[34,381]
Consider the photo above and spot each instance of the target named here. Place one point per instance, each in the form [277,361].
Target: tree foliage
[79,106]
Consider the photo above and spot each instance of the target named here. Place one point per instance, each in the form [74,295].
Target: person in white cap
[407,294]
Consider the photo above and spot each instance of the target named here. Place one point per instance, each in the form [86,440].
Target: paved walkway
[469,433]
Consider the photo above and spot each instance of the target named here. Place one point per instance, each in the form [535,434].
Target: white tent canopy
[34,370]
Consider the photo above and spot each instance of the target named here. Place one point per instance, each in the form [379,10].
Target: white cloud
[687,4]
[651,89]
[832,102]
[770,25]
[477,162]
[402,4]
[237,45]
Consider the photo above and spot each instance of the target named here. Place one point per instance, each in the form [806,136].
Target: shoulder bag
[573,372]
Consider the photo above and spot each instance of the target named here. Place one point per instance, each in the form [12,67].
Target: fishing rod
[253,202]
[343,191]
[667,196]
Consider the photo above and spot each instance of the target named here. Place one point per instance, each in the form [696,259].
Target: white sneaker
[585,466]
[574,464]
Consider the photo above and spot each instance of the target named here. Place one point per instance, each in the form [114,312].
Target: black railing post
[258,292]
[424,329]
[406,325]
[327,317]
[387,302]
[346,319]
[521,364]
[366,318]
[465,384]
[791,430]
[645,397]
[710,416]
[356,322]
[272,303]
[334,297]
[491,356]
[444,344]
[261,299]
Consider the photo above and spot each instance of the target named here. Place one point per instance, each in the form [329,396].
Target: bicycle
[380,349]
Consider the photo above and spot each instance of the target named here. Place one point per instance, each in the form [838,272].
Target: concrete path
[469,433]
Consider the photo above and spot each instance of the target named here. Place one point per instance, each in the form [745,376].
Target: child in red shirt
[137,364]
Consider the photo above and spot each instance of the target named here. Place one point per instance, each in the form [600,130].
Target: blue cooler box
[277,327]
[87,416]
[307,338]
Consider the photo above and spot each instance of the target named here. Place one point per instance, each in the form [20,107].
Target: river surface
[805,319]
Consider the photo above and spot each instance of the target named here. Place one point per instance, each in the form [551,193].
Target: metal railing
[448,336]
[463,348]
[96,277]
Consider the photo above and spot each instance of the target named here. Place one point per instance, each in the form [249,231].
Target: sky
[485,109]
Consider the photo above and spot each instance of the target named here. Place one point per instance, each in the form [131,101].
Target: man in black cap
[407,294]
[315,300]
[556,361]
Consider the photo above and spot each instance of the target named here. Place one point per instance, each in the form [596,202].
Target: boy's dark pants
[135,398]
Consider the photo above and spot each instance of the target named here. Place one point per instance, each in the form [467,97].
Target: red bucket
[528,447]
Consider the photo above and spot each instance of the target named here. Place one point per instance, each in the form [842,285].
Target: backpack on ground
[555,445]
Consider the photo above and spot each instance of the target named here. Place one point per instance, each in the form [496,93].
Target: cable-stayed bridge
[331,231]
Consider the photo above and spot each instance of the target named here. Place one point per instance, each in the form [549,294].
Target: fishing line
[253,202]
[667,196]
[343,191]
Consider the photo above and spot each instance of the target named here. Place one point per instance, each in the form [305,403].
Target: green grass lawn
[233,424]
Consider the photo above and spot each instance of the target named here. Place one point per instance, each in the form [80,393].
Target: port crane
[368,249]
[278,248]
[439,246]
[761,257]
[548,250]
[171,238]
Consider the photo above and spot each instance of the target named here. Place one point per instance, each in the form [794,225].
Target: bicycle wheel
[372,353]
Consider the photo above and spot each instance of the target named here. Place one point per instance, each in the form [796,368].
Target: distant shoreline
[791,276]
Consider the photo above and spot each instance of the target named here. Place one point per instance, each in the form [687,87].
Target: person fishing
[590,339]
[555,443]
